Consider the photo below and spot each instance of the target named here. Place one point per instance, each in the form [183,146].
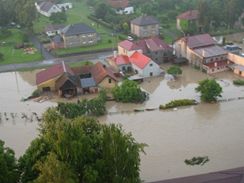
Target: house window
[151,74]
[151,65]
[46,89]
[109,80]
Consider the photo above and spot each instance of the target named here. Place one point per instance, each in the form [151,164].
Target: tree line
[22,12]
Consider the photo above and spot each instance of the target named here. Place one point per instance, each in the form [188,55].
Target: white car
[130,38]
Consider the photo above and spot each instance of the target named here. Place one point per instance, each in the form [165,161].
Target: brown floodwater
[213,130]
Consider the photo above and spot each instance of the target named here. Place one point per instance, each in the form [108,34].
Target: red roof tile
[139,60]
[122,60]
[99,72]
[128,45]
[156,44]
[52,72]
[118,3]
[189,15]
[199,41]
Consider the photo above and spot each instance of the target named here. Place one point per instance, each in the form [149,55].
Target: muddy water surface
[214,130]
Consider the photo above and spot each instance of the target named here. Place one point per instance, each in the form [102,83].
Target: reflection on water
[213,130]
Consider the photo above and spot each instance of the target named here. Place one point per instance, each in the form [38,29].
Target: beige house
[145,26]
[79,35]
[238,66]
[202,52]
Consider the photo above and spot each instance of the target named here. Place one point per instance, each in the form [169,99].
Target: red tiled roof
[189,15]
[128,45]
[82,70]
[118,3]
[156,44]
[122,60]
[52,72]
[199,41]
[99,72]
[139,60]
[219,64]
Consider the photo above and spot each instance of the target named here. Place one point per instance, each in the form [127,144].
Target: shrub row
[105,24]
[239,82]
[178,103]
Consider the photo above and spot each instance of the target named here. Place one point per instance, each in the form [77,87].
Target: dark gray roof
[227,176]
[145,20]
[77,29]
[57,39]
[87,82]
[46,6]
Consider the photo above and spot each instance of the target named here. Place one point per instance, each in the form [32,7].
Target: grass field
[78,14]
[12,55]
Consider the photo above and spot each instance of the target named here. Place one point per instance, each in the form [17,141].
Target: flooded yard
[213,130]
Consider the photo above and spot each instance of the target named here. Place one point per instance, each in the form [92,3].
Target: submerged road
[94,57]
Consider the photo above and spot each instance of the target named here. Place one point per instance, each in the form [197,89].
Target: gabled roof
[54,27]
[87,82]
[145,20]
[46,5]
[122,60]
[99,72]
[118,3]
[66,77]
[139,60]
[76,29]
[201,40]
[52,72]
[189,15]
[153,44]
[128,45]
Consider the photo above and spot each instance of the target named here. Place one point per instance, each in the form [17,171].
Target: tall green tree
[8,166]
[82,150]
[209,90]
[25,12]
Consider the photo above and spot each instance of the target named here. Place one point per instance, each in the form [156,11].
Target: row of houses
[72,81]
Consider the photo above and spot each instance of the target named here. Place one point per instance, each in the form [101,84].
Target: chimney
[115,54]
[64,67]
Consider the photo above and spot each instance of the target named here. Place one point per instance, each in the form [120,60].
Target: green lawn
[78,14]
[12,55]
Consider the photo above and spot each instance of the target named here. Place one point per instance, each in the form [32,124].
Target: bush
[129,91]
[178,103]
[239,82]
[99,21]
[209,90]
[174,70]
[4,33]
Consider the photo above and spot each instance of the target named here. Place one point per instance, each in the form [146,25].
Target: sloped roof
[153,44]
[46,5]
[76,29]
[189,15]
[66,77]
[199,41]
[99,72]
[139,60]
[210,51]
[128,45]
[52,72]
[145,20]
[122,60]
[87,82]
[118,3]
[82,70]
[54,27]
[57,39]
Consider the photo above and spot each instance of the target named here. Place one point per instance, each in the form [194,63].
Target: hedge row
[100,21]
[239,82]
[178,103]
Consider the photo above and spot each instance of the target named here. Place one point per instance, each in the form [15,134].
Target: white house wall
[151,67]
